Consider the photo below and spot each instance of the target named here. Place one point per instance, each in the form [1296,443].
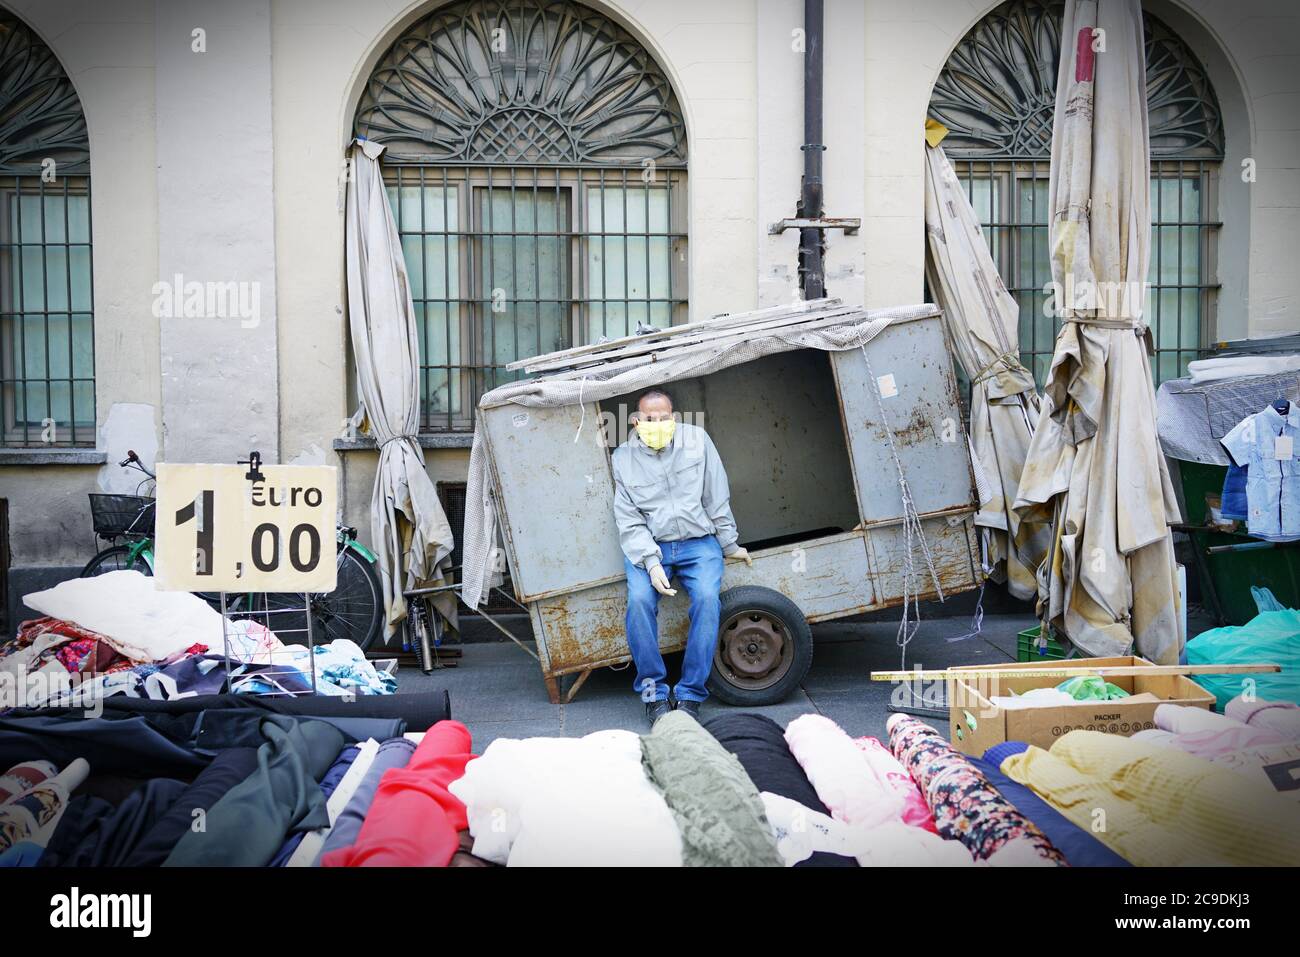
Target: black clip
[254,461]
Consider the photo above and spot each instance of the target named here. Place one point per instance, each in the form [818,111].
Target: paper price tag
[1283,447]
[888,387]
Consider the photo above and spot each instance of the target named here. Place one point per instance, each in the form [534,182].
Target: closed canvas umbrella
[983,325]
[1094,468]
[409,530]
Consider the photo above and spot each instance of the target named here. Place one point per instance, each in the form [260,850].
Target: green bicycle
[353,610]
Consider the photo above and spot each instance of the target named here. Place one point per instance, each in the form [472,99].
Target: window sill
[431,440]
[17,456]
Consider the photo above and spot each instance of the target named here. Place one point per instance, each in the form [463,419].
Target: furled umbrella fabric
[717,808]
[409,530]
[759,745]
[1094,468]
[982,320]
[966,806]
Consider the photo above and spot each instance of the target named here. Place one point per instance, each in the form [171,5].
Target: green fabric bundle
[712,799]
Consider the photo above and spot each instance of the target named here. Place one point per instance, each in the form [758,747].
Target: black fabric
[155,744]
[123,745]
[94,833]
[229,768]
[420,711]
[759,744]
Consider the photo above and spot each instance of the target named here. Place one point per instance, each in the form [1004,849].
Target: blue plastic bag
[1271,636]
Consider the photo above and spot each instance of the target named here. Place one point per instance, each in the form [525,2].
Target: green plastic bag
[1091,688]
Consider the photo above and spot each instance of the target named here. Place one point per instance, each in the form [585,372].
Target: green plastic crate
[1027,647]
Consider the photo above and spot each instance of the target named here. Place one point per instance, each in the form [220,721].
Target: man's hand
[660,581]
[741,555]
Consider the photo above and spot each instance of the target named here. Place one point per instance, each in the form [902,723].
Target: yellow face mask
[656,434]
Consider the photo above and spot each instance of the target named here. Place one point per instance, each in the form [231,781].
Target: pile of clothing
[118,634]
[272,785]
[276,786]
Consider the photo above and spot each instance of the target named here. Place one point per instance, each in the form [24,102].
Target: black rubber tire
[765,602]
[114,558]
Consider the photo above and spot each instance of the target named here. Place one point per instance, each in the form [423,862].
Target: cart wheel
[764,647]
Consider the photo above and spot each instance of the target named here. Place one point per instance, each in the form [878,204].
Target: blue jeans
[696,563]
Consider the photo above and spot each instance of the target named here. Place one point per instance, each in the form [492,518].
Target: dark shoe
[690,707]
[654,710]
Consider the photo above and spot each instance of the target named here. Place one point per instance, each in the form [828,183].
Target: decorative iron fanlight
[40,113]
[521,82]
[997,92]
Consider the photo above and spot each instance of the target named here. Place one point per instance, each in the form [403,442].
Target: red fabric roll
[414,821]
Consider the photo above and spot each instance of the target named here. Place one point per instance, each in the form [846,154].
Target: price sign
[218,531]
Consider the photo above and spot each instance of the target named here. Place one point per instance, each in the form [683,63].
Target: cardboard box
[976,724]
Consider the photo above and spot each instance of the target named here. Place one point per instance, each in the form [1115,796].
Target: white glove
[741,555]
[660,581]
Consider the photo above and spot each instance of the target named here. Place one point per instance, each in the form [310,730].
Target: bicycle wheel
[353,610]
[115,558]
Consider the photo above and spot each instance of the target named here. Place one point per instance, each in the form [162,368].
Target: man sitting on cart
[673,509]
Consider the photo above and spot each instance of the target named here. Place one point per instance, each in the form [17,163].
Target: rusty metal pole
[811,247]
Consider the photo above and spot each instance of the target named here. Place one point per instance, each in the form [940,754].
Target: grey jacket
[676,493]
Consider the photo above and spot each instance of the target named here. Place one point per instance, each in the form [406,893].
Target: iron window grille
[996,95]
[47,342]
[536,166]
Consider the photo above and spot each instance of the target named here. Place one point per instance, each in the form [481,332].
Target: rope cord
[913,533]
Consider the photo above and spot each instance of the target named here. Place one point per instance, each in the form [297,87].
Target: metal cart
[808,438]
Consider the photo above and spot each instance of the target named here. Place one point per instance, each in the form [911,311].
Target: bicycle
[353,610]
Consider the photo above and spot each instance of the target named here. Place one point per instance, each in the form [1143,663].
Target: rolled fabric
[228,768]
[393,753]
[845,780]
[22,776]
[801,832]
[915,812]
[717,808]
[965,805]
[573,802]
[96,833]
[329,784]
[414,819]
[33,816]
[1280,716]
[759,745]
[249,823]
[1079,848]
[1159,806]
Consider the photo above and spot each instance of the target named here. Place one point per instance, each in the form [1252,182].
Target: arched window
[996,95]
[536,164]
[47,340]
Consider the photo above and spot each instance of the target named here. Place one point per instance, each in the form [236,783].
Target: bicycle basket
[122,514]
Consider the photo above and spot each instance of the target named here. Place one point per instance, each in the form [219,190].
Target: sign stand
[245,609]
